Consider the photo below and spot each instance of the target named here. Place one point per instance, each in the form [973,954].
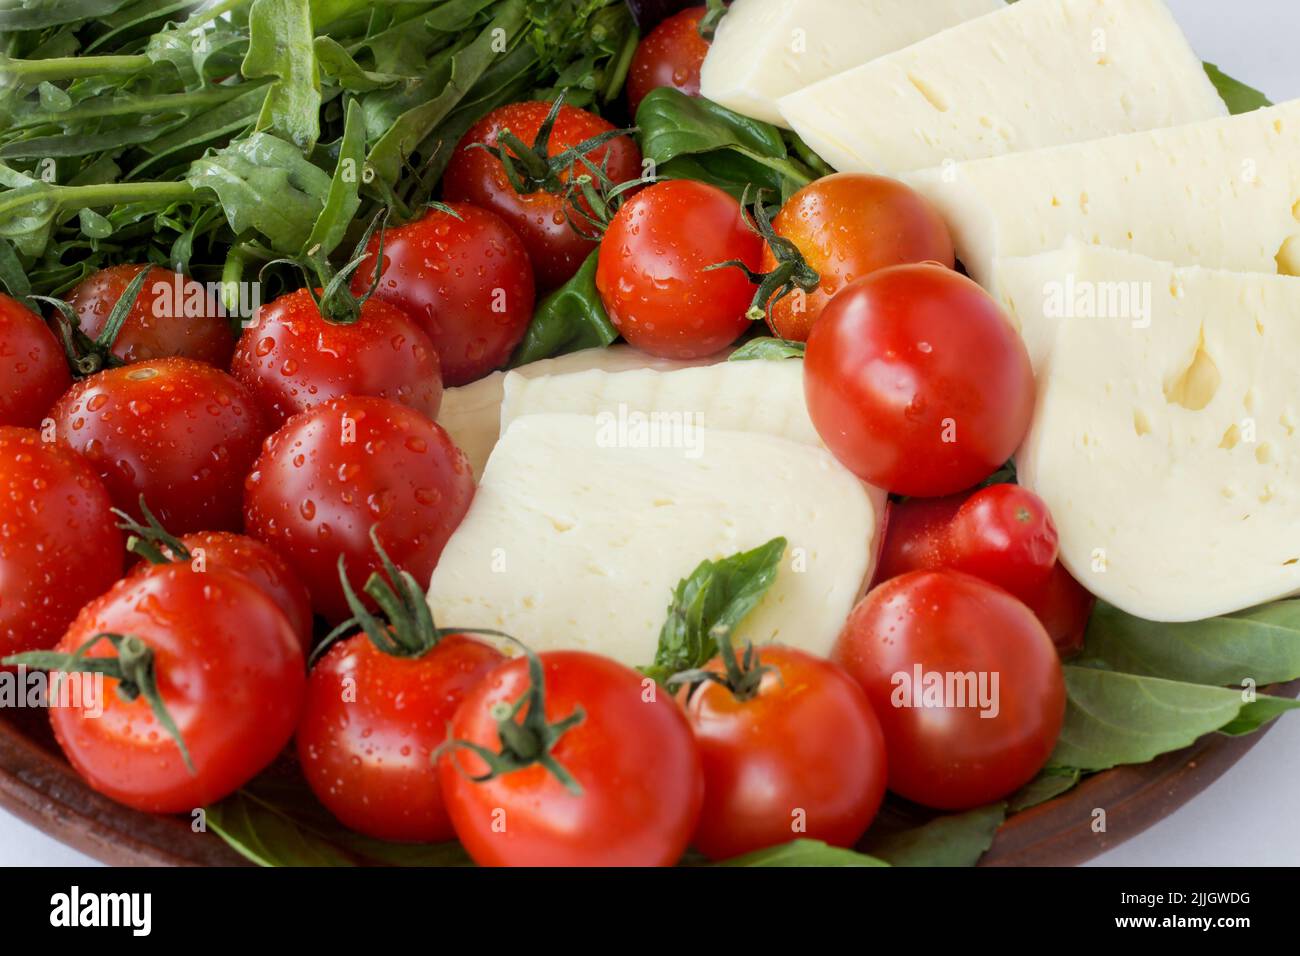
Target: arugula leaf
[1239,97]
[1113,719]
[710,604]
[1262,644]
[569,319]
[804,853]
[280,45]
[769,349]
[52,13]
[957,839]
[344,197]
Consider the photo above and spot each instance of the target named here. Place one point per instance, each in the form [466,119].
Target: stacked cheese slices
[1145,243]
[606,485]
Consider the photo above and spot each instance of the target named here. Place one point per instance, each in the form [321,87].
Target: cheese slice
[577,536]
[471,414]
[764,49]
[1165,444]
[1038,73]
[1223,193]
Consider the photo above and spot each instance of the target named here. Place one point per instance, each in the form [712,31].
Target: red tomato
[803,758]
[58,544]
[540,218]
[292,358]
[368,755]
[229,670]
[333,471]
[917,382]
[33,370]
[651,274]
[848,226]
[965,681]
[1064,607]
[464,278]
[916,536]
[670,55]
[631,754]
[173,315]
[250,559]
[178,432]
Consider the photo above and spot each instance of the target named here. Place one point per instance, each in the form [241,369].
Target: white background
[1248,817]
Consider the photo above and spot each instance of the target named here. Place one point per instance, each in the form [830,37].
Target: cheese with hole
[579,532]
[1038,73]
[1164,442]
[471,414]
[764,49]
[1223,194]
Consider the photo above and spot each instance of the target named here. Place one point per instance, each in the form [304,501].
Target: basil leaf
[804,853]
[957,839]
[1051,783]
[768,349]
[1113,719]
[569,319]
[280,45]
[1239,97]
[1262,644]
[709,604]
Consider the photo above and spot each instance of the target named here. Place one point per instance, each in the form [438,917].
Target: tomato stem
[150,538]
[742,676]
[85,355]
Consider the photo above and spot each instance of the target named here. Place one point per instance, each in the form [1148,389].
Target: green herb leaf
[957,839]
[804,853]
[344,197]
[1051,783]
[281,46]
[1239,97]
[767,348]
[569,319]
[1113,719]
[708,606]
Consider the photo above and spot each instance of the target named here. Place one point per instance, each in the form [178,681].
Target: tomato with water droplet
[670,55]
[33,370]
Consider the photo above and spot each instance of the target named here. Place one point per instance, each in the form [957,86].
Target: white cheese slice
[1038,73]
[1168,450]
[1223,194]
[764,49]
[575,539]
[471,414]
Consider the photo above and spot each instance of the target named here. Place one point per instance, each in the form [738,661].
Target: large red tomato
[33,370]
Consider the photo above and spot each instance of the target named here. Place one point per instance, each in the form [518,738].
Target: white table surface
[1248,817]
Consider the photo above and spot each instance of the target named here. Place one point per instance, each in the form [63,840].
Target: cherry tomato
[917,382]
[670,55]
[848,226]
[292,358]
[631,755]
[651,273]
[33,370]
[965,681]
[230,673]
[540,218]
[464,277]
[174,315]
[1064,607]
[178,432]
[803,757]
[58,544]
[253,560]
[368,755]
[334,470]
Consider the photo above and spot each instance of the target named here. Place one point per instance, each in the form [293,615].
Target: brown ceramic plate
[38,786]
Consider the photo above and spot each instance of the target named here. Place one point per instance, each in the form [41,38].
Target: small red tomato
[368,755]
[916,536]
[802,756]
[464,277]
[670,55]
[917,382]
[541,218]
[634,768]
[335,470]
[33,369]
[654,277]
[229,671]
[1005,535]
[965,681]
[250,559]
[181,433]
[848,226]
[58,544]
[174,315]
[292,358]
[1064,606]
